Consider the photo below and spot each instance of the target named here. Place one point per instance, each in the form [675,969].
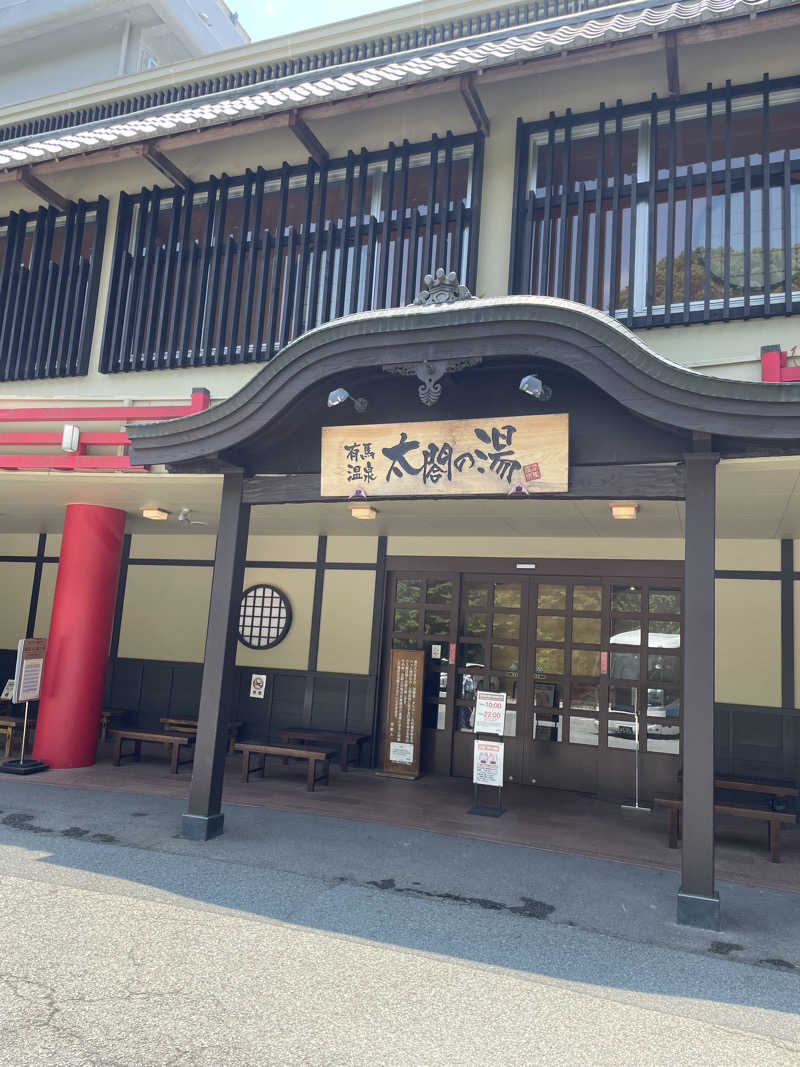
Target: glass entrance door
[605,670]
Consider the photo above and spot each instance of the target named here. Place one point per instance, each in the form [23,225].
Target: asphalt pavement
[300,939]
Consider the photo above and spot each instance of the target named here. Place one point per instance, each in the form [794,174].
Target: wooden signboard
[403,737]
[476,457]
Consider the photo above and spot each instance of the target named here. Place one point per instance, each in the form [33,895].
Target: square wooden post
[698,902]
[204,818]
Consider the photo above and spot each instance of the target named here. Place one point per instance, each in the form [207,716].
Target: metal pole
[24,733]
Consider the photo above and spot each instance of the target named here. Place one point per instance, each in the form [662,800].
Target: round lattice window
[265,616]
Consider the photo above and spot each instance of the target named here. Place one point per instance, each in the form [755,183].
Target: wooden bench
[769,789]
[173,742]
[11,728]
[7,728]
[189,726]
[325,737]
[774,820]
[286,752]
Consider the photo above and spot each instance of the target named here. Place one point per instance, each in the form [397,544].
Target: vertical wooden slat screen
[48,290]
[720,190]
[232,270]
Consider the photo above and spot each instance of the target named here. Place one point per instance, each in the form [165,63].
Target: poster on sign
[30,664]
[487,767]
[258,686]
[490,713]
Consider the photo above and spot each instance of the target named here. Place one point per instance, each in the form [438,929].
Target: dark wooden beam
[627,481]
[27,178]
[698,903]
[474,104]
[156,158]
[671,57]
[307,138]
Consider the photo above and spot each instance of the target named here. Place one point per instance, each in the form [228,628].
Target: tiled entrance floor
[542,818]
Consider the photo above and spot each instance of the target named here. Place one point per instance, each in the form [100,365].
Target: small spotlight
[624,511]
[532,385]
[156,514]
[338,396]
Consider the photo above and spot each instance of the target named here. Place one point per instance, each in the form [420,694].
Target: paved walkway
[295,939]
[545,818]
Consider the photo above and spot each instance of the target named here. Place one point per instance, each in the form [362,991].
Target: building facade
[475,283]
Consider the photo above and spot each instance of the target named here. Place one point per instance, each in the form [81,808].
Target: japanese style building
[516,290]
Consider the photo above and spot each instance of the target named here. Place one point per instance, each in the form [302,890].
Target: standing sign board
[30,664]
[402,740]
[487,767]
[490,713]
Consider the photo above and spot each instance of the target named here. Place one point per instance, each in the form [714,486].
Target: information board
[30,665]
[490,713]
[404,713]
[487,767]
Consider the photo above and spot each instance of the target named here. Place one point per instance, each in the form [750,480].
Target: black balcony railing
[49,275]
[681,210]
[232,270]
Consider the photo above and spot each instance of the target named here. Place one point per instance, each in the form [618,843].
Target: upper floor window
[671,211]
[49,272]
[232,270]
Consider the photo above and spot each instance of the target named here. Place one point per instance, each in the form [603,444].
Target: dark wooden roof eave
[544,329]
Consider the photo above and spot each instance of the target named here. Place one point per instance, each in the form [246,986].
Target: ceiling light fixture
[156,514]
[339,396]
[624,511]
[532,385]
[363,511]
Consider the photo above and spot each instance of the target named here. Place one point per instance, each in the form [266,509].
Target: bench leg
[117,756]
[673,827]
[175,750]
[8,743]
[774,841]
[311,777]
[137,750]
[245,765]
[344,756]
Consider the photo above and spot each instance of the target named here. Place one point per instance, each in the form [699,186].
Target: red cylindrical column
[80,633]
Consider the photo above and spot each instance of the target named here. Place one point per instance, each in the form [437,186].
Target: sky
[273,18]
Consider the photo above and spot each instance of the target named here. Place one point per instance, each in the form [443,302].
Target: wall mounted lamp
[338,396]
[156,514]
[624,511]
[532,385]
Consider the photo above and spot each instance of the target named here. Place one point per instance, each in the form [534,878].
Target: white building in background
[49,47]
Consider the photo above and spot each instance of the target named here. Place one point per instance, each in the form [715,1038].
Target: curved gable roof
[542,328]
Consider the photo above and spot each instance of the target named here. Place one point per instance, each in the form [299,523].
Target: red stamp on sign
[532,472]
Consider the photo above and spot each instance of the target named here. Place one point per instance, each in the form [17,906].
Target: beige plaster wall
[344,549]
[346,623]
[18,544]
[735,554]
[292,652]
[44,608]
[165,613]
[16,581]
[748,642]
[294,548]
[172,546]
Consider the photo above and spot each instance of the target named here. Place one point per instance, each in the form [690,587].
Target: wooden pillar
[204,818]
[698,902]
